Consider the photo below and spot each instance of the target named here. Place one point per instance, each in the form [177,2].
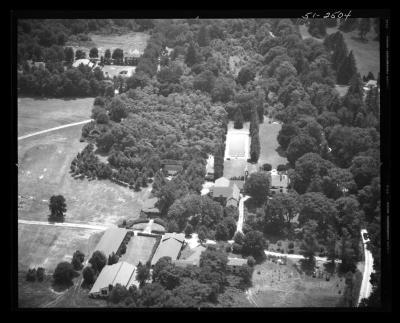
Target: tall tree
[238,119]
[364,27]
[257,186]
[94,52]
[57,208]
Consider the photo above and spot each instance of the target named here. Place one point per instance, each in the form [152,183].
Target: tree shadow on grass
[307,266]
[61,287]
[53,219]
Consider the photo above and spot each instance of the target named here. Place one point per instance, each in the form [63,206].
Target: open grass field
[237,145]
[283,286]
[44,246]
[44,163]
[41,114]
[366,53]
[128,42]
[139,250]
[269,144]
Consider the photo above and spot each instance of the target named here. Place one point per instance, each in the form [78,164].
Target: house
[121,273]
[111,240]
[226,191]
[149,208]
[171,167]
[279,182]
[83,61]
[170,246]
[234,264]
[193,259]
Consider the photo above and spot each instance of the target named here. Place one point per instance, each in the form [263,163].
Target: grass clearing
[139,250]
[269,144]
[44,246]
[44,163]
[41,114]
[284,286]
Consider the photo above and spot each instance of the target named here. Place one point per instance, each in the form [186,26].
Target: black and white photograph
[212,161]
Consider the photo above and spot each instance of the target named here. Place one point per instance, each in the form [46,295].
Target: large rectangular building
[111,240]
[120,273]
[170,246]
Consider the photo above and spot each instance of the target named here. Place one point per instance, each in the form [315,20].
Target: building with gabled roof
[121,273]
[170,246]
[226,190]
[279,182]
[234,264]
[111,240]
[83,61]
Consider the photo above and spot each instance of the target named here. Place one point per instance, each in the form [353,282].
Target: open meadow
[40,114]
[46,246]
[269,144]
[366,53]
[277,285]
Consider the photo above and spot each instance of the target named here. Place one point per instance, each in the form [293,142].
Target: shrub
[279,243]
[267,167]
[89,275]
[77,260]
[236,248]
[281,168]
[291,251]
[291,245]
[251,261]
[40,274]
[31,275]
[64,273]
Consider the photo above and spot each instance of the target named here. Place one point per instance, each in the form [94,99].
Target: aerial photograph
[198,162]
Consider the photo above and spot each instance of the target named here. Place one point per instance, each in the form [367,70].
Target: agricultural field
[269,144]
[139,249]
[277,285]
[41,114]
[46,246]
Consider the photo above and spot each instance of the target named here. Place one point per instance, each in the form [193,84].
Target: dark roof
[221,189]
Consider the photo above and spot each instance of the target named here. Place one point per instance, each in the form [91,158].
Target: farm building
[111,240]
[279,182]
[149,208]
[234,264]
[83,61]
[227,191]
[121,273]
[170,246]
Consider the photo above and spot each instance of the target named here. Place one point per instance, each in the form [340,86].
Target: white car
[364,236]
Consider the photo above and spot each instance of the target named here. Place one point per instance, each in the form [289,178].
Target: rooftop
[236,261]
[280,180]
[111,240]
[119,273]
[170,246]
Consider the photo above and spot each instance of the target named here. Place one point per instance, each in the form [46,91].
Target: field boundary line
[54,129]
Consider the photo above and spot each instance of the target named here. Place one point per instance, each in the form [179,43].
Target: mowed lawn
[139,250]
[41,114]
[46,246]
[269,144]
[44,164]
[127,42]
[283,286]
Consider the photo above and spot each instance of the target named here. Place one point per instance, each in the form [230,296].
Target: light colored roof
[194,258]
[236,262]
[111,240]
[170,246]
[185,262]
[279,180]
[222,182]
[106,277]
[83,61]
[124,274]
[371,83]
